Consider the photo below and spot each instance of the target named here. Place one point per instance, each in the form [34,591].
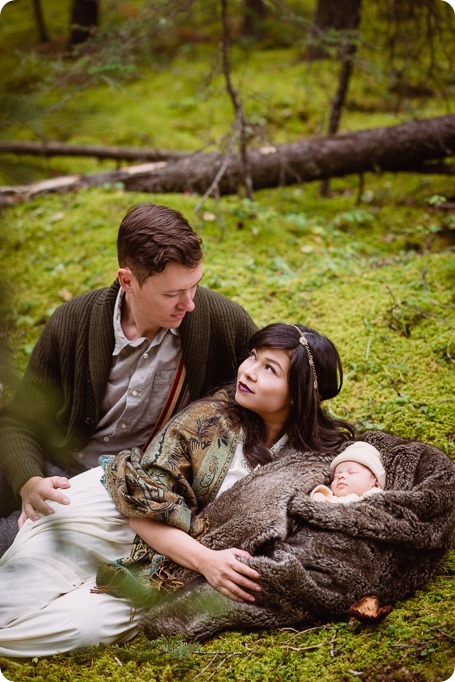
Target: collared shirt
[240,467]
[139,382]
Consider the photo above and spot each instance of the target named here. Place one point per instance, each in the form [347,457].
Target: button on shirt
[139,382]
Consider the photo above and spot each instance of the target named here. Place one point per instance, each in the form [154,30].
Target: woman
[47,578]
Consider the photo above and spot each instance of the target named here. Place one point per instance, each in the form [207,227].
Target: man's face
[163,299]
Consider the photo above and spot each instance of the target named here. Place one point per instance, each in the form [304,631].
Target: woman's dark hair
[151,236]
[308,426]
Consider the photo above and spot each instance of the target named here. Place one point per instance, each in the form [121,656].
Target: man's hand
[36,491]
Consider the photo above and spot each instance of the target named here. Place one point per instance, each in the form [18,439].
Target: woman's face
[263,384]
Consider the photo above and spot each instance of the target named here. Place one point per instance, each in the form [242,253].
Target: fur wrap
[315,559]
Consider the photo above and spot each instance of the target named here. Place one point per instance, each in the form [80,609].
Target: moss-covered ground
[377,278]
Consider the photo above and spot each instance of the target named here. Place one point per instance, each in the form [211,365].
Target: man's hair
[151,236]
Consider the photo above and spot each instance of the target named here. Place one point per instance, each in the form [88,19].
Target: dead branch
[96,151]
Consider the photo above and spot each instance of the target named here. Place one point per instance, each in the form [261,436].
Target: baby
[357,473]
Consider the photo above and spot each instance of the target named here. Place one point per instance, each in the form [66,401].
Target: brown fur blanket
[317,559]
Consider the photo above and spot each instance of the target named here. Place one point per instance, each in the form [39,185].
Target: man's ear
[125,276]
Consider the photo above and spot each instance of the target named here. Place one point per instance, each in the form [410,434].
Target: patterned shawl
[180,472]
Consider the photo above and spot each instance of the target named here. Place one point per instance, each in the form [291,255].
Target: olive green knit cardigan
[58,403]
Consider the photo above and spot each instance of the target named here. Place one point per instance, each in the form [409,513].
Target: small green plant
[436,200]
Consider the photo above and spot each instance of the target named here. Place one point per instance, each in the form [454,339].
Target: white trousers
[46,576]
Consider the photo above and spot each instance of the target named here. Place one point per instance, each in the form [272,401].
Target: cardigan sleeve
[57,403]
[30,416]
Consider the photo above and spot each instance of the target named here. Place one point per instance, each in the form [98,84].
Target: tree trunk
[405,147]
[84,20]
[332,17]
[348,52]
[254,13]
[42,32]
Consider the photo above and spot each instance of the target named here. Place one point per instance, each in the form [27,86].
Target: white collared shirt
[139,382]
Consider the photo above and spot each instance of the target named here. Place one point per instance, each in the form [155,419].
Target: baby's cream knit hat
[365,454]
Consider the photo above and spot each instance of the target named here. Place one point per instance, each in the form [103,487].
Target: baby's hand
[319,497]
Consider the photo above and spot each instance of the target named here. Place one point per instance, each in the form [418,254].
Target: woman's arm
[221,568]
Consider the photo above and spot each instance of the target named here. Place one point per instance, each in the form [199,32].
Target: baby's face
[352,477]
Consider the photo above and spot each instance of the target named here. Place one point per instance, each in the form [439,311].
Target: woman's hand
[223,570]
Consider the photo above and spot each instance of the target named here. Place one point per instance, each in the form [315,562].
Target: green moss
[387,304]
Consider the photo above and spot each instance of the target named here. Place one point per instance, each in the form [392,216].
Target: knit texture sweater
[58,403]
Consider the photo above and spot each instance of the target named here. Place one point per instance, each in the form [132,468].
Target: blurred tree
[42,31]
[84,21]
[254,13]
[347,48]
[417,33]
[332,19]
[403,46]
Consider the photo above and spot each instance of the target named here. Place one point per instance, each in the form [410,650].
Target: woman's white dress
[46,576]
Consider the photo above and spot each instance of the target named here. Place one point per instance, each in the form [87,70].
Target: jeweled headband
[303,341]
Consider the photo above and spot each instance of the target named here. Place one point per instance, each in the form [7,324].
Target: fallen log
[408,147]
[92,150]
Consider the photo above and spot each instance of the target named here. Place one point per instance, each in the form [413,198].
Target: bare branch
[97,151]
[236,102]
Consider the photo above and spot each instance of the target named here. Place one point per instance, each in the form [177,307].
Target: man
[112,365]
